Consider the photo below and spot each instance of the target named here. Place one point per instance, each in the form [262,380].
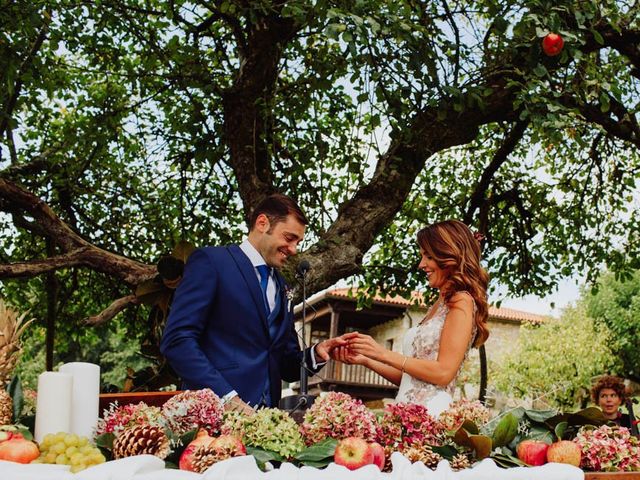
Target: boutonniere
[288,294]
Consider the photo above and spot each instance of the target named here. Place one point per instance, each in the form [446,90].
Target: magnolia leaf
[470,427]
[560,429]
[505,431]
[445,451]
[481,444]
[506,461]
[264,456]
[540,415]
[17,397]
[105,441]
[182,250]
[318,451]
[149,291]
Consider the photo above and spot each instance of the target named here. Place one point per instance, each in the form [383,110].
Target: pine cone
[460,462]
[424,454]
[6,408]
[141,440]
[204,457]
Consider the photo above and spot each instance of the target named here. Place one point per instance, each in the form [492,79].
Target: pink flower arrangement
[193,409]
[117,418]
[405,424]
[463,409]
[609,449]
[338,415]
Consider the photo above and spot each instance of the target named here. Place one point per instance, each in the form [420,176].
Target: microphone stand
[297,404]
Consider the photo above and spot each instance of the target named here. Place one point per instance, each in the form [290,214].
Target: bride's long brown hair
[456,251]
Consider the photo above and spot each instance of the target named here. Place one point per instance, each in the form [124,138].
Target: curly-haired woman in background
[609,394]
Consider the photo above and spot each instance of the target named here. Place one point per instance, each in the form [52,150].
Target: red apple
[532,452]
[552,44]
[229,445]
[565,451]
[353,453]
[378,454]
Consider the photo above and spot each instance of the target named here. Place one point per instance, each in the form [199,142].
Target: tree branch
[111,311]
[77,251]
[499,158]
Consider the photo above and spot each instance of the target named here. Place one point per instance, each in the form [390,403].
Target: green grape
[62,459]
[70,451]
[50,457]
[77,467]
[71,440]
[58,448]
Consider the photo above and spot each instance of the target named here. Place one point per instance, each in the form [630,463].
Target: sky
[567,293]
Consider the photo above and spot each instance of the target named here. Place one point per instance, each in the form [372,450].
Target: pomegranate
[16,449]
[186,459]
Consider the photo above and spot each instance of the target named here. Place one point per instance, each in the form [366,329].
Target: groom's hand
[324,348]
[236,404]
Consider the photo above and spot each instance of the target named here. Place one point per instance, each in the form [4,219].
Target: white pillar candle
[53,405]
[85,398]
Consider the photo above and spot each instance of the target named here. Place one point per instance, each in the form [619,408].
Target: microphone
[303,268]
[296,404]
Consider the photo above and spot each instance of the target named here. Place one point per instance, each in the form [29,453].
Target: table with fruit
[191,436]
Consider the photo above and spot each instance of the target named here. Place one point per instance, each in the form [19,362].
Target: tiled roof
[508,314]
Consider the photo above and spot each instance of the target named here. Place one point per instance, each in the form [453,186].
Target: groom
[231,327]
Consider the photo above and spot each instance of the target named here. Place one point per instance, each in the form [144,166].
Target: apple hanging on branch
[552,44]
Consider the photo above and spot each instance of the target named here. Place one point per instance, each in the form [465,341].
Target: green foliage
[557,360]
[119,116]
[110,346]
[615,304]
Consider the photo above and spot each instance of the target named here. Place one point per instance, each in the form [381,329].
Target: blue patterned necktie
[264,272]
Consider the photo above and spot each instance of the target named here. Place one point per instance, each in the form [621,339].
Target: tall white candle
[85,399]
[53,405]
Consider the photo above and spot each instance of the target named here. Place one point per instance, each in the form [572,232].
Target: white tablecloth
[147,467]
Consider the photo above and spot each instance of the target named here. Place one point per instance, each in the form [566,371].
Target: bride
[433,351]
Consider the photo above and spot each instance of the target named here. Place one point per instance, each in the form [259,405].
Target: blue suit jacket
[217,335]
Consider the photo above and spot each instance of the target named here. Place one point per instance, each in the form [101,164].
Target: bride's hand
[345,355]
[361,344]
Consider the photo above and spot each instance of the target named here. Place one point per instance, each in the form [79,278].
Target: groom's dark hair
[277,208]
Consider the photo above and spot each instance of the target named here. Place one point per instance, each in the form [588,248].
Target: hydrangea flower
[193,409]
[338,415]
[269,428]
[464,409]
[118,417]
[406,424]
[608,449]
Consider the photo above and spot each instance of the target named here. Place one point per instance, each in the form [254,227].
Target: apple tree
[128,126]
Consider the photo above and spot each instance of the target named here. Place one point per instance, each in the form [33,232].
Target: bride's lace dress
[423,341]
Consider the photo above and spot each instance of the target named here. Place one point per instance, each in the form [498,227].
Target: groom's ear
[262,224]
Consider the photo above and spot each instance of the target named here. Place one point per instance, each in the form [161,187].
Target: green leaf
[482,445]
[505,431]
[540,70]
[540,415]
[264,456]
[17,397]
[105,441]
[318,451]
[596,35]
[560,429]
[445,451]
